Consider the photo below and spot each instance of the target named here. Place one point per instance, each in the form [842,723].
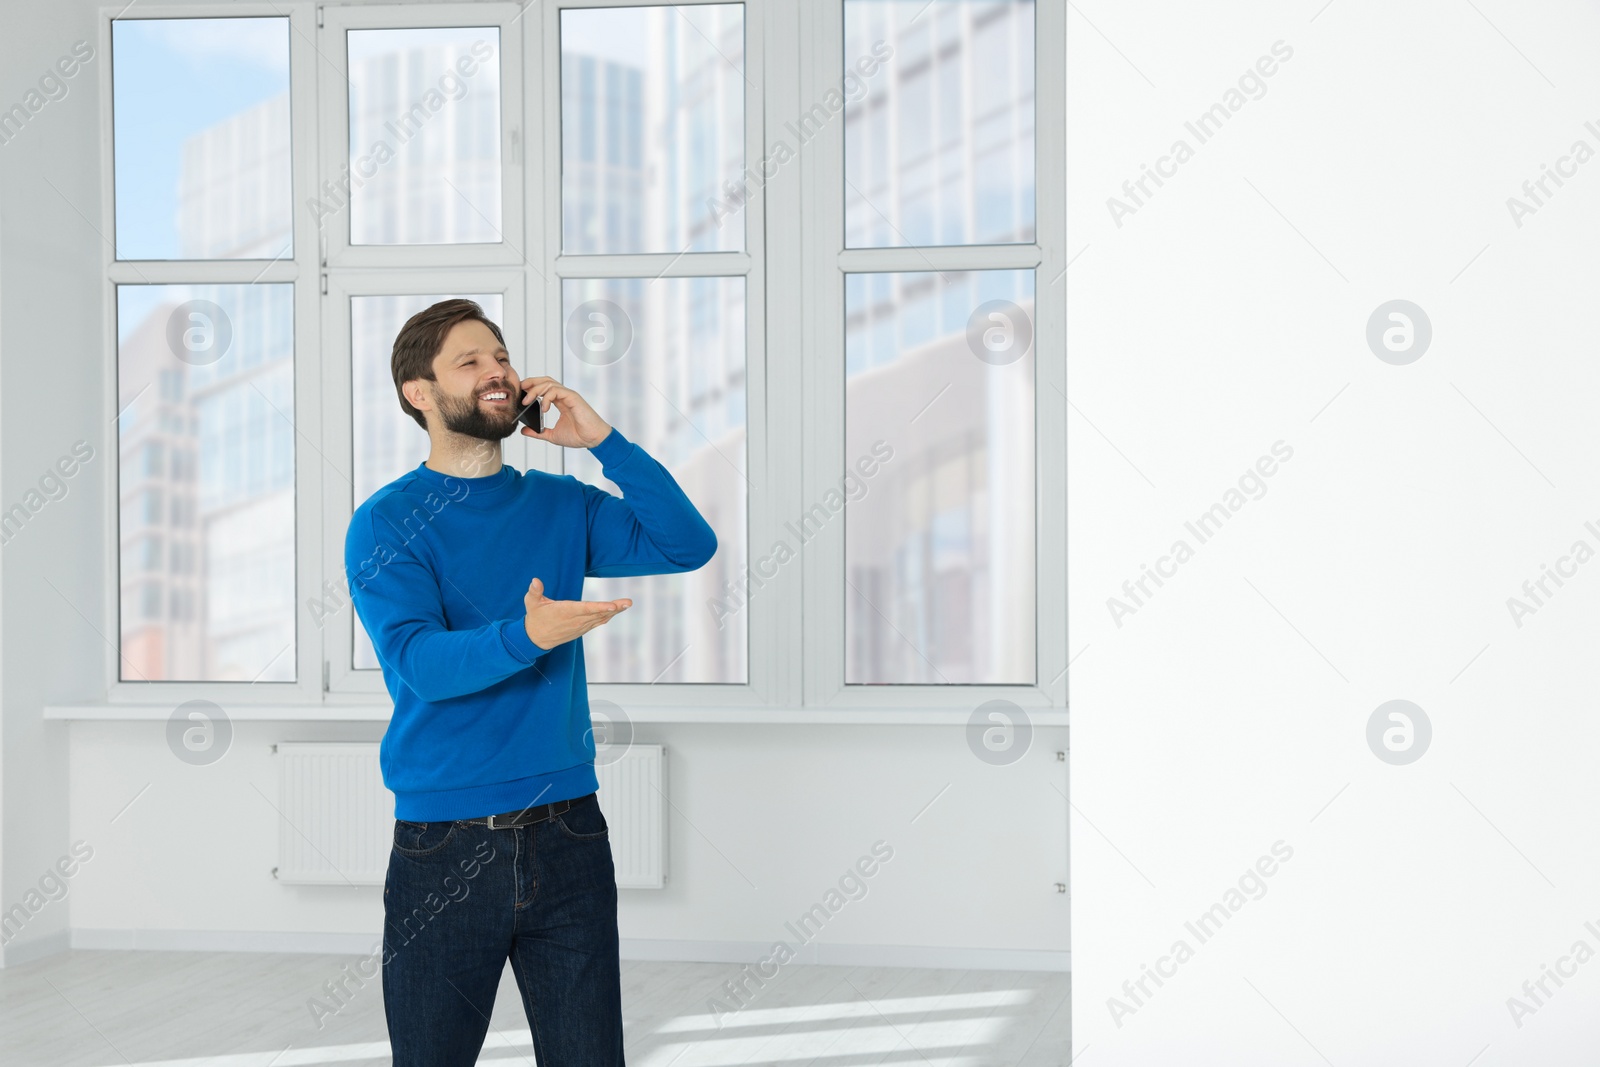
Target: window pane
[201,134]
[664,362]
[387,442]
[939,144]
[424,137]
[206,372]
[652,127]
[939,536]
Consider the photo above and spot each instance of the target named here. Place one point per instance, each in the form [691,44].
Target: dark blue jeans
[461,899]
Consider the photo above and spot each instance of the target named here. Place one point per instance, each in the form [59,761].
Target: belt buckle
[512,822]
[553,809]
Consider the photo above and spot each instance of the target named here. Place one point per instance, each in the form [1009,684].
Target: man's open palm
[553,622]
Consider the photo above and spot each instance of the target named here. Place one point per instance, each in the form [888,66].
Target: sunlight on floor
[859,1009]
[939,1027]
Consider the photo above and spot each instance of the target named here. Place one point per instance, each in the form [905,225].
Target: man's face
[471,367]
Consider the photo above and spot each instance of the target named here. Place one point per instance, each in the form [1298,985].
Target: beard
[468,417]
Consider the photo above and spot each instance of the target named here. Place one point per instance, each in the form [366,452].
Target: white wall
[50,348]
[766,819]
[1230,712]
[789,806]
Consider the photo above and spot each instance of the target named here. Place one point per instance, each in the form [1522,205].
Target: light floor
[211,1009]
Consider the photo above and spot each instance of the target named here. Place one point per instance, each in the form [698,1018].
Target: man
[467,575]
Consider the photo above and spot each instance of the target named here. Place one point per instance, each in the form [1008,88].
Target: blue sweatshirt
[485,721]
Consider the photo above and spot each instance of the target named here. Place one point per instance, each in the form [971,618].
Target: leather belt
[527,816]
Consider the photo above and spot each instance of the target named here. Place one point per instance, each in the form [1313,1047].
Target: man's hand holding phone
[579,426]
[553,622]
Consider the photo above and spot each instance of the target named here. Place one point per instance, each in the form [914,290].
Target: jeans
[460,899]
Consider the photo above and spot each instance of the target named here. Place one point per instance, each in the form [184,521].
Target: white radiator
[633,795]
[336,820]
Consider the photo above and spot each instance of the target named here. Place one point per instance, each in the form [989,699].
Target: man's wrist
[613,449]
[519,642]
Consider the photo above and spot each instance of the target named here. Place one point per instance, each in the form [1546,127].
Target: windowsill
[727,716]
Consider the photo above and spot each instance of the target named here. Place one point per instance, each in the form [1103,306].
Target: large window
[653,113]
[796,249]
[950,581]
[205,369]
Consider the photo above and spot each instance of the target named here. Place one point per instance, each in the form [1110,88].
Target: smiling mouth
[502,399]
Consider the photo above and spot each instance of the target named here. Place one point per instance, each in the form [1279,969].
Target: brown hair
[420,340]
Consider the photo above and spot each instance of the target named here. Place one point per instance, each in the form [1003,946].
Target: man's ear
[415,392]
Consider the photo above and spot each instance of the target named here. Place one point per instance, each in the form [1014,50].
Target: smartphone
[530,417]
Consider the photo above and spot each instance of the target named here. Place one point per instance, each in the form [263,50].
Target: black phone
[530,416]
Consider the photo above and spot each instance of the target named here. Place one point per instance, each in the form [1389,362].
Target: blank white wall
[50,291]
[1230,712]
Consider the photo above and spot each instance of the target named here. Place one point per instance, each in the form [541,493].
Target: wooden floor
[208,1009]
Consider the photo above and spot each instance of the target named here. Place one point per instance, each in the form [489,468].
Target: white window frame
[334,108]
[761,687]
[793,263]
[301,271]
[827,262]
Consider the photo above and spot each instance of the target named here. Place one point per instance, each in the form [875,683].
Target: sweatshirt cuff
[613,449]
[514,635]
